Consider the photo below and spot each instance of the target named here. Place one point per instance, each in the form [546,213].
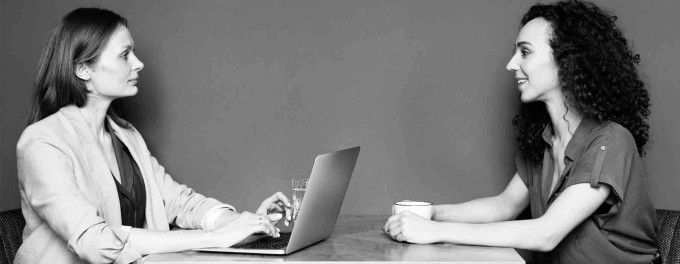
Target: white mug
[423,209]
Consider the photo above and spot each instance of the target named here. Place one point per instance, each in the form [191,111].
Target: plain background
[238,97]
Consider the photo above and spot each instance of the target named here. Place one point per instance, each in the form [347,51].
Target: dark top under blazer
[131,193]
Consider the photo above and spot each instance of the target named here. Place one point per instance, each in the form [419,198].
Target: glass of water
[299,188]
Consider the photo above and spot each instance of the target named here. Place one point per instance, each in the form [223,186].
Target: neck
[564,120]
[94,112]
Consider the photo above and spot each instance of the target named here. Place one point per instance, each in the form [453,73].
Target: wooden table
[357,238]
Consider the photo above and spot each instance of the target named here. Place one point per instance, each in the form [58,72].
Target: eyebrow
[526,43]
[127,48]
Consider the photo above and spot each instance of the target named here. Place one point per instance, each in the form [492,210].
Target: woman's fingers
[267,208]
[264,206]
[394,227]
[400,237]
[278,202]
[275,218]
[391,221]
[394,232]
[284,205]
[276,198]
[263,224]
[282,211]
[246,224]
[279,196]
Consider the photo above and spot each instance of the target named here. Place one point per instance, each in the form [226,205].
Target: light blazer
[69,197]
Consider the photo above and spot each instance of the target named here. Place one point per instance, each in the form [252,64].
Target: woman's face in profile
[533,63]
[115,72]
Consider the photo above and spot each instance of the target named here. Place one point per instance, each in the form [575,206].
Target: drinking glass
[299,188]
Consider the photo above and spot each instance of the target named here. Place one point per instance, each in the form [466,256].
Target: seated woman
[582,129]
[90,189]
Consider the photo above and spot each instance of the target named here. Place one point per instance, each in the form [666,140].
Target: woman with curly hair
[582,129]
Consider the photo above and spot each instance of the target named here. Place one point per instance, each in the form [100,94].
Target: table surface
[357,238]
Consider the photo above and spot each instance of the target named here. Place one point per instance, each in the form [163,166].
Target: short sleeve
[607,160]
[522,168]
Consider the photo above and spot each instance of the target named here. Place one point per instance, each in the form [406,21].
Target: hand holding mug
[411,223]
[423,209]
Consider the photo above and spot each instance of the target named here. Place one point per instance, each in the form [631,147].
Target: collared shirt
[623,229]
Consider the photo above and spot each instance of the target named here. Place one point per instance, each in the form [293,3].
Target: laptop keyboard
[268,243]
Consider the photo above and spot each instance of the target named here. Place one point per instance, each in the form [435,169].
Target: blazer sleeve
[46,174]
[185,208]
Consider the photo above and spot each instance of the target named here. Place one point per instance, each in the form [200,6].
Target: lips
[521,80]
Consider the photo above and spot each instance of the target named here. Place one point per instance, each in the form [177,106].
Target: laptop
[318,212]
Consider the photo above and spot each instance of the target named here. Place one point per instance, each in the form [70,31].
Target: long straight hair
[79,38]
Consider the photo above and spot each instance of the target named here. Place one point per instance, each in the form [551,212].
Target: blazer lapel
[156,217]
[94,161]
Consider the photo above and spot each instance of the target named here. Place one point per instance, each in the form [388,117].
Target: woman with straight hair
[582,129]
[90,190]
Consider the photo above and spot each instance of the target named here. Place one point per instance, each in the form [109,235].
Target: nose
[512,65]
[138,65]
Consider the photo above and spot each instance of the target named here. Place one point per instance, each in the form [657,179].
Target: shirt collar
[578,142]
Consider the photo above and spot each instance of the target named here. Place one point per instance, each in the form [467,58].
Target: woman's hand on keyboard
[246,224]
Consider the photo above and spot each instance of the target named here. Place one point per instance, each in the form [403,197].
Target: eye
[125,55]
[525,52]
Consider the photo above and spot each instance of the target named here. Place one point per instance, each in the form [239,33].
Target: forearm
[503,207]
[153,241]
[522,234]
[179,240]
[482,210]
[570,209]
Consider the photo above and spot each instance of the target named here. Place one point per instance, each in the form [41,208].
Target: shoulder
[49,128]
[51,131]
[602,143]
[613,136]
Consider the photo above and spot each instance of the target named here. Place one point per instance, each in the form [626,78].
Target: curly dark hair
[597,72]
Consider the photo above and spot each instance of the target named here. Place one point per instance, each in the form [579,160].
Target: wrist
[435,212]
[211,238]
[439,231]
[449,232]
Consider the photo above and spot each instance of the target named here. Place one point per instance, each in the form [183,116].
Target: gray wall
[237,97]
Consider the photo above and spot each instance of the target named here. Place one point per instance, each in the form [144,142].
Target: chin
[133,91]
[527,98]
[130,94]
[523,98]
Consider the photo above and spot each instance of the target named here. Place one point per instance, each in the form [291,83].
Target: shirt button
[602,148]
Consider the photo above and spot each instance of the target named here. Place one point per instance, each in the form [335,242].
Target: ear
[83,72]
